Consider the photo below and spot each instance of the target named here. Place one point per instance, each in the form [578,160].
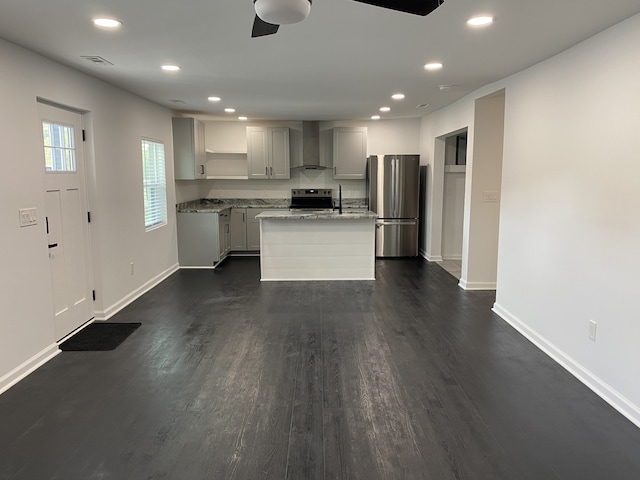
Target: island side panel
[317,249]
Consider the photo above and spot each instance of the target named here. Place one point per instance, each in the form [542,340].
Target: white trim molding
[137,293]
[431,258]
[23,370]
[599,387]
[476,285]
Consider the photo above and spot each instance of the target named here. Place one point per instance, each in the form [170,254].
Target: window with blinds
[155,184]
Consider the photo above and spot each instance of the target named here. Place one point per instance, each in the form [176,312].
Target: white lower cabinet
[238,229]
[225,232]
[245,229]
[198,239]
[253,228]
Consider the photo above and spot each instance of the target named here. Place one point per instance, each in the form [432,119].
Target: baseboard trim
[597,385]
[431,258]
[23,370]
[451,257]
[137,293]
[476,285]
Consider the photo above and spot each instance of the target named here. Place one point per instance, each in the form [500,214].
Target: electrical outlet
[131,268]
[592,330]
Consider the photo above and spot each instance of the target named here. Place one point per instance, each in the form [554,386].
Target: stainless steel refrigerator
[392,192]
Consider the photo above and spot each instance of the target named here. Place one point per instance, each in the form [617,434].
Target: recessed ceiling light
[229,110]
[213,99]
[242,118]
[385,109]
[398,96]
[433,66]
[375,117]
[107,22]
[171,68]
[480,21]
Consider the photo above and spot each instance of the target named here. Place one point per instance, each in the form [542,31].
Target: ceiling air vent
[96,59]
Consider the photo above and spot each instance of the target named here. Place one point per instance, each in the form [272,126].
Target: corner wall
[568,245]
[116,123]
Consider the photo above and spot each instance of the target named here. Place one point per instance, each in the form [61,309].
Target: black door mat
[99,336]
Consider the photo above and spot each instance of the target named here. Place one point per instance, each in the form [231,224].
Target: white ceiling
[342,63]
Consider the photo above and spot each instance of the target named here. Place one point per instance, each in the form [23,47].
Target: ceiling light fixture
[282,12]
[433,66]
[375,117]
[398,96]
[107,22]
[242,118]
[229,110]
[480,21]
[385,109]
[213,99]
[171,68]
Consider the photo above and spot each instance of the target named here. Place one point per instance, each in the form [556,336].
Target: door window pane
[59,147]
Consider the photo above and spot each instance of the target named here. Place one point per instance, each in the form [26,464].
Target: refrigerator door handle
[396,222]
[394,187]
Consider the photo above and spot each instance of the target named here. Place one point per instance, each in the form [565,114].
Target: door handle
[53,245]
[201,169]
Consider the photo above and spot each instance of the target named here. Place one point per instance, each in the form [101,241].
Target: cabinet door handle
[266,171]
[271,170]
[243,218]
[335,170]
[201,169]
[53,245]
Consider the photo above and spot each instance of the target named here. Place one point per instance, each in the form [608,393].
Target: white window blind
[155,184]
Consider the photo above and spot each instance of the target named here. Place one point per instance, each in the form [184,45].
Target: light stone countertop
[217,205]
[320,215]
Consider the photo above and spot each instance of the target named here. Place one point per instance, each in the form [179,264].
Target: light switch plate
[28,216]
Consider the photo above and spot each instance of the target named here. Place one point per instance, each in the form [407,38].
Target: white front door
[67,218]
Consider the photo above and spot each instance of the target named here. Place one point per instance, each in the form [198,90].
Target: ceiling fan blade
[416,7]
[262,28]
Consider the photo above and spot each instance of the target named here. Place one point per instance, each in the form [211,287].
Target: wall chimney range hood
[310,147]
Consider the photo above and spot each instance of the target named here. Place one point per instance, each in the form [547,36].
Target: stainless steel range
[311,199]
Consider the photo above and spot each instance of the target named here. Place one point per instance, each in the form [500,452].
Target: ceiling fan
[270,14]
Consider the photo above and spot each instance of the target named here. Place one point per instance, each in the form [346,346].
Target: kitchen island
[317,245]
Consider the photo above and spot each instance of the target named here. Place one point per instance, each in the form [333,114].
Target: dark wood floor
[407,377]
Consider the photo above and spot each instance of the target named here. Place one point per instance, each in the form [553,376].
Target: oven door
[397,238]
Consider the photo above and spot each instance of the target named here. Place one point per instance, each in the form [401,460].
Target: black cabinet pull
[53,245]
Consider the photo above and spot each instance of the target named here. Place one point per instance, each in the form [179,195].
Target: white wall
[569,228]
[482,199]
[116,121]
[453,215]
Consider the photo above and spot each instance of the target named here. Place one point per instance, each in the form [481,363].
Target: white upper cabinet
[188,148]
[226,137]
[349,153]
[268,152]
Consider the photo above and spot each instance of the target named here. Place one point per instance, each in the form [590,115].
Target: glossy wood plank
[407,377]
